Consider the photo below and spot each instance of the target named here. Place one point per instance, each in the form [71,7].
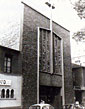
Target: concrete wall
[65,34]
[32,20]
[79,86]
[84,77]
[16,100]
[78,72]
[14,76]
[50,80]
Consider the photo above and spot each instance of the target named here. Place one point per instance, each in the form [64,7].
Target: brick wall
[32,20]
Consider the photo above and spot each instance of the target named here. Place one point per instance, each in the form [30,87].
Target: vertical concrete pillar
[29,64]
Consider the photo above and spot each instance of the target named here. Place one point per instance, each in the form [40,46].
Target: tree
[79,6]
[79,35]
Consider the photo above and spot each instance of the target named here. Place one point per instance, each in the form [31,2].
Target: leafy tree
[79,6]
[79,35]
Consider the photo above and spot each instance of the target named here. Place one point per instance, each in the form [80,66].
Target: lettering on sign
[5,82]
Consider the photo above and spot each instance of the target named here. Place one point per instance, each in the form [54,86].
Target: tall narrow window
[44,50]
[57,53]
[7,64]
[12,93]
[7,93]
[3,93]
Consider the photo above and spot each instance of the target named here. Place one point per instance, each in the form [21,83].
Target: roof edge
[9,48]
[44,16]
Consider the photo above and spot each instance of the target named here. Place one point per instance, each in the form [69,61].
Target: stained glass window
[45,52]
[57,53]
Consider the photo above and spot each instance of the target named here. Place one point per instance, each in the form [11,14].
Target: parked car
[41,106]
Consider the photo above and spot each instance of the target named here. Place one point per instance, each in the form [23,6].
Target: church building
[41,69]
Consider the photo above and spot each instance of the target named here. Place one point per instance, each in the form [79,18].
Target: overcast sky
[63,14]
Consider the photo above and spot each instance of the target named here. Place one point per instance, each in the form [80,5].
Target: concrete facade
[79,83]
[10,82]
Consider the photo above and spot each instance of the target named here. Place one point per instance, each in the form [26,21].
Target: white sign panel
[14,85]
[4,82]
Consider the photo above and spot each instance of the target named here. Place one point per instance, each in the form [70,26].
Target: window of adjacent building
[7,93]
[3,93]
[7,64]
[12,93]
[45,52]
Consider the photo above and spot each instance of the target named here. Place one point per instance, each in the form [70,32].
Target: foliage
[79,6]
[79,35]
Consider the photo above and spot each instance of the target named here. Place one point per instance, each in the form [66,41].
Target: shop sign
[4,82]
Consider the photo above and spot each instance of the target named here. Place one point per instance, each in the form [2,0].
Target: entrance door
[78,95]
[51,95]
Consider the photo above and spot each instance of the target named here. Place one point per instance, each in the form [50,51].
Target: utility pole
[51,36]
[51,51]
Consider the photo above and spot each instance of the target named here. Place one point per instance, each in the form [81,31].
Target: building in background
[79,60]
[10,78]
[78,52]
[78,72]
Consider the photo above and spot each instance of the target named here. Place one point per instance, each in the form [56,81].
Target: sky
[63,14]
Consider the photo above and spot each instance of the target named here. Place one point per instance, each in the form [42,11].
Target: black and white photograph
[42,54]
